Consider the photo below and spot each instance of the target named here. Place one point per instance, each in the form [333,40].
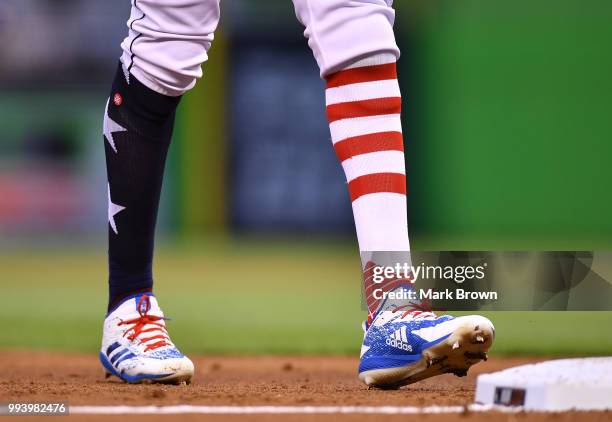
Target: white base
[554,385]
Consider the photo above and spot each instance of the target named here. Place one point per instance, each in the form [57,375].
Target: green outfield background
[242,297]
[508,121]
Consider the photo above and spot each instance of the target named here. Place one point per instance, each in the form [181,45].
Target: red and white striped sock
[363,109]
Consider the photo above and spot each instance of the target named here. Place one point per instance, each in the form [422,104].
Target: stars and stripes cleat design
[136,346]
[403,347]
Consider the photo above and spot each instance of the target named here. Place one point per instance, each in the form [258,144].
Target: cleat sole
[454,355]
[177,376]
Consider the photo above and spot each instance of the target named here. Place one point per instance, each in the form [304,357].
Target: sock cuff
[152,102]
[146,112]
[373,68]
[123,281]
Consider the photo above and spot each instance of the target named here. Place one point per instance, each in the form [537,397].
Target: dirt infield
[245,381]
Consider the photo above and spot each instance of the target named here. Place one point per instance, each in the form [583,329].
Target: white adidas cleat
[136,346]
[401,348]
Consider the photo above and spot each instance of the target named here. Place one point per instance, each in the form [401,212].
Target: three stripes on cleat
[119,356]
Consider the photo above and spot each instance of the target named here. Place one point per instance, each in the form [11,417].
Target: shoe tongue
[143,304]
[147,304]
[138,305]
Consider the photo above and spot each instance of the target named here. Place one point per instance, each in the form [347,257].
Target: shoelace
[133,332]
[414,313]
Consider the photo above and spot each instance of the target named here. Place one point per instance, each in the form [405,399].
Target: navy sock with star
[138,125]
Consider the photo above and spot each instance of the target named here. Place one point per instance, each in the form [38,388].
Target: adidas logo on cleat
[399,340]
[399,344]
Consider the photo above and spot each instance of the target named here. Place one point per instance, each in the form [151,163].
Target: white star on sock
[113,209]
[110,127]
[126,74]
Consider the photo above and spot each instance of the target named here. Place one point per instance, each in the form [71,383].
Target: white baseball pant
[168,40]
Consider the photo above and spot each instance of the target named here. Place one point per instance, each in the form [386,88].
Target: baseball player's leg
[162,56]
[355,48]
[354,45]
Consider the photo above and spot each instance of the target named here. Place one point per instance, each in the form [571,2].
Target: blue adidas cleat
[403,347]
[136,346]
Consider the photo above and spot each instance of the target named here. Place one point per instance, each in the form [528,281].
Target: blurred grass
[240,298]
